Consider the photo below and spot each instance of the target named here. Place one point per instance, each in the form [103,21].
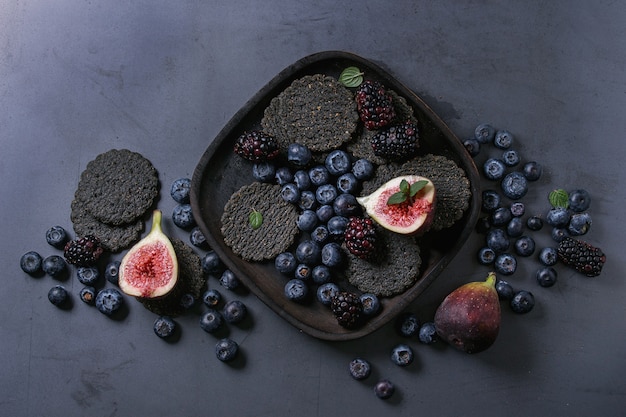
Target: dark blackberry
[84,251]
[256,146]
[360,237]
[582,256]
[347,308]
[396,143]
[374,105]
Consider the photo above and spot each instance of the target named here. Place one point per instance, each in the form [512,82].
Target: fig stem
[156,220]
[491,279]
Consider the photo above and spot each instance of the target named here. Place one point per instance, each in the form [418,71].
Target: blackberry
[374,105]
[84,251]
[582,256]
[397,143]
[347,308]
[256,146]
[360,237]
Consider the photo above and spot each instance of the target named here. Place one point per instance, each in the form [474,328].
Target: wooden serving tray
[220,172]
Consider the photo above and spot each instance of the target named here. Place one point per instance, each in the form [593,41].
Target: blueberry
[57,236]
[264,171]
[211,320]
[321,274]
[505,264]
[524,246]
[298,155]
[302,180]
[307,220]
[428,333]
[486,256]
[112,272]
[579,224]
[283,175]
[88,295]
[324,213]
[332,254]
[234,311]
[109,300]
[384,389]
[319,175]
[490,200]
[229,280]
[320,234]
[514,185]
[510,158]
[522,302]
[285,263]
[290,193]
[494,169]
[347,183]
[211,298]
[484,133]
[518,209]
[54,265]
[303,272]
[371,303]
[296,290]
[31,262]
[559,233]
[359,369]
[211,263]
[182,216]
[363,169]
[226,349]
[472,146]
[402,355]
[546,276]
[558,217]
[180,190]
[501,216]
[58,295]
[325,194]
[515,227]
[338,162]
[326,292]
[337,226]
[87,275]
[164,327]
[579,200]
[307,200]
[532,170]
[504,289]
[309,252]
[497,240]
[503,139]
[548,256]
[346,205]
[187,301]
[483,225]
[534,223]
[407,324]
[197,239]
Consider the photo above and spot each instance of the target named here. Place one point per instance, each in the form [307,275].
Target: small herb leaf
[351,77]
[404,187]
[397,198]
[255,219]
[559,198]
[417,186]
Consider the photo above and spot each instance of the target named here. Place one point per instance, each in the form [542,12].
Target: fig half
[404,204]
[150,268]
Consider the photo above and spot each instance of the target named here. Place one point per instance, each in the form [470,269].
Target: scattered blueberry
[484,133]
[164,327]
[503,139]
[501,216]
[307,220]
[211,298]
[285,263]
[384,389]
[324,213]
[211,263]
[298,155]
[548,256]
[187,301]
[325,194]
[483,225]
[486,256]
[559,233]
[371,304]
[54,265]
[338,162]
[308,252]
[180,190]
[229,280]
[347,183]
[579,200]
[264,171]
[515,227]
[579,224]
[363,169]
[234,311]
[321,274]
[197,239]
[319,175]
[558,217]
[428,333]
[472,146]
[303,272]
[407,324]
[87,275]
[505,264]
[402,355]
[497,240]
[109,300]
[88,295]
[534,223]
[518,209]
[182,216]
[307,200]
[290,193]
[58,295]
[504,289]
[226,349]
[112,272]
[326,292]
[532,170]
[296,290]
[57,237]
[524,246]
[359,369]
[346,205]
[510,158]
[494,169]
[522,302]
[514,185]
[31,263]
[211,320]
[546,276]
[283,175]
[337,226]
[302,180]
[320,234]
[490,200]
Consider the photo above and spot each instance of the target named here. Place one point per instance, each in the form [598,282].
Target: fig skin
[469,317]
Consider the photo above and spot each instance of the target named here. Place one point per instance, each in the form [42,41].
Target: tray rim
[412,293]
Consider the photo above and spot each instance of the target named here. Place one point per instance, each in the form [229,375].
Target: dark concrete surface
[162,78]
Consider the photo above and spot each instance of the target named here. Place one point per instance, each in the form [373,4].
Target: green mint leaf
[397,198]
[255,219]
[559,198]
[417,186]
[351,77]
[405,187]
